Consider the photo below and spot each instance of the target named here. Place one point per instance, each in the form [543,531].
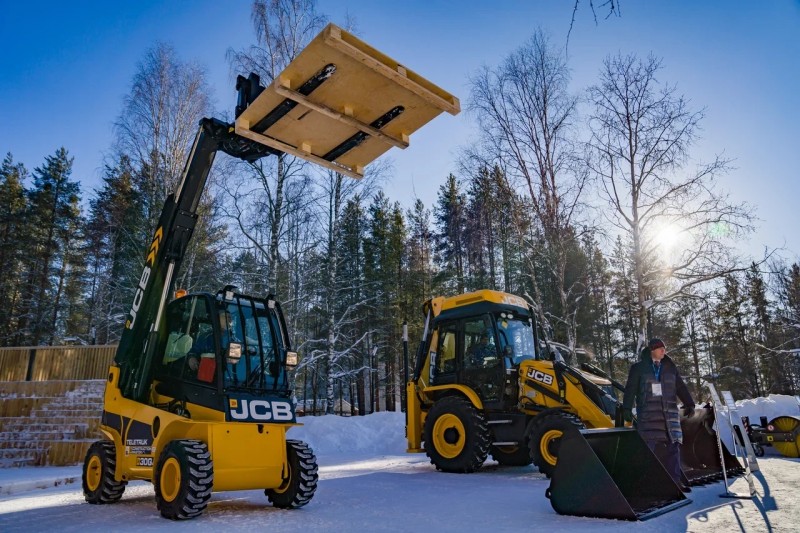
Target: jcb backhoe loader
[198,398]
[483,384]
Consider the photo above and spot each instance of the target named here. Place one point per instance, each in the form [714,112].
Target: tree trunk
[275,225]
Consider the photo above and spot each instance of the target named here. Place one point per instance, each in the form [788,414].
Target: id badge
[656,389]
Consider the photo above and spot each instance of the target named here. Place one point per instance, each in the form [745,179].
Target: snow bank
[379,433]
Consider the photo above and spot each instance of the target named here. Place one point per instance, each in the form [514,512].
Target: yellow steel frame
[245,455]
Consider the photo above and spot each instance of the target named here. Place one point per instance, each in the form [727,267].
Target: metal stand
[748,456]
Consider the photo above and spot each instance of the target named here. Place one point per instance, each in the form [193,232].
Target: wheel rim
[449,436]
[547,446]
[170,479]
[94,473]
[787,424]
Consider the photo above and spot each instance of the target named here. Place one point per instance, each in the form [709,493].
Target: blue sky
[65,67]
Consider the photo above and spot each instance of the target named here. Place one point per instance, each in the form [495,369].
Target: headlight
[234,352]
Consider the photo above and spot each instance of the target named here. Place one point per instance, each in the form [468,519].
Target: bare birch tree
[159,120]
[156,131]
[679,221]
[283,28]
[526,116]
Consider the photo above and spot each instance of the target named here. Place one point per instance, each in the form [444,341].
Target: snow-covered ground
[368,483]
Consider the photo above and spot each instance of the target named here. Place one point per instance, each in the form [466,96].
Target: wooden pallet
[341,104]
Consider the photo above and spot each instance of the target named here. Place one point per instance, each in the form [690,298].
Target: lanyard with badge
[657,385]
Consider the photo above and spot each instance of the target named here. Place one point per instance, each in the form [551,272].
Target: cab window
[189,338]
[479,341]
[446,359]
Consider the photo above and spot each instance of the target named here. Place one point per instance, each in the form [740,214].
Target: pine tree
[594,318]
[733,342]
[13,225]
[114,237]
[384,264]
[625,313]
[54,214]
[788,314]
[450,246]
[352,296]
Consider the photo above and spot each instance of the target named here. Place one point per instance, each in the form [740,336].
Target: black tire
[544,436]
[518,455]
[456,436]
[183,479]
[758,449]
[99,467]
[299,487]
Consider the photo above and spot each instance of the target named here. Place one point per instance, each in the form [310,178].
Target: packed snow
[369,483]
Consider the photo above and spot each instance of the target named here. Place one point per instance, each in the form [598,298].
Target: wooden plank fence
[46,363]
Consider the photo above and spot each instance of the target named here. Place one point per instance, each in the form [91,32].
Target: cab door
[481,366]
[187,367]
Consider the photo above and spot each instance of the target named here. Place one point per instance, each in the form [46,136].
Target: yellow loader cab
[484,383]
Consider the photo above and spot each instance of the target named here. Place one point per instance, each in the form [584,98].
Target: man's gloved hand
[688,411]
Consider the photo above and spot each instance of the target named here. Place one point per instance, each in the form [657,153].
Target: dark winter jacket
[657,417]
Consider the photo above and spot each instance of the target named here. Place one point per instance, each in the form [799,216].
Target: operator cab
[480,346]
[215,345]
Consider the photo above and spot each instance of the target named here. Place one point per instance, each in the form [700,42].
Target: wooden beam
[341,117]
[333,38]
[242,127]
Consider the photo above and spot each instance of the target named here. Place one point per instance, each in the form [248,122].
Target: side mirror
[291,359]
[234,352]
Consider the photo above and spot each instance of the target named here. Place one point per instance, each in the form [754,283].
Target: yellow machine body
[245,455]
[520,395]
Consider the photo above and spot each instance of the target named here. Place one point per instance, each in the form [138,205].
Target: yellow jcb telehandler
[198,398]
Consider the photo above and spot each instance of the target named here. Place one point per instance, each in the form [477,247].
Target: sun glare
[668,236]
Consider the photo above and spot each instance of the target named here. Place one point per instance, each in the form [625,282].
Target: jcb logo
[151,259]
[261,410]
[137,298]
[538,375]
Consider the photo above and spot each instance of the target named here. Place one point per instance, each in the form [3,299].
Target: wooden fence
[45,363]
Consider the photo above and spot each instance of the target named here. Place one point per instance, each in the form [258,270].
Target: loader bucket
[611,473]
[700,460]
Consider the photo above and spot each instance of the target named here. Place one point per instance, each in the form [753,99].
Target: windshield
[516,337]
[259,366]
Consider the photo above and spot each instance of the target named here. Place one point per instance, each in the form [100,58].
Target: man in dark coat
[655,384]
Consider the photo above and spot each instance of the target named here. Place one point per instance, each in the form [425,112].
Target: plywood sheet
[364,86]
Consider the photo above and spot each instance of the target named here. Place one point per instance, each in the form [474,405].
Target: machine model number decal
[144,461]
[538,375]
